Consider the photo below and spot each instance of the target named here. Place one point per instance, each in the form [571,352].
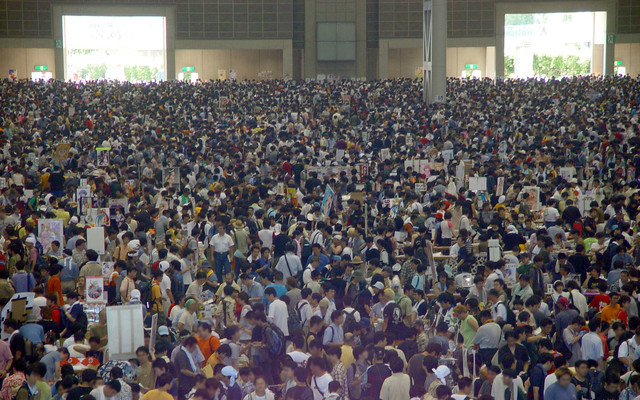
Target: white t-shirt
[320,386]
[305,311]
[175,313]
[98,393]
[266,237]
[278,315]
[187,278]
[299,357]
[187,321]
[221,243]
[165,285]
[551,214]
[548,381]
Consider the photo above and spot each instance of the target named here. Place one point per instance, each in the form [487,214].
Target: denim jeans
[222,264]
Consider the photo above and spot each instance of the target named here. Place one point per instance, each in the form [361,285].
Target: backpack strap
[315,383]
[288,267]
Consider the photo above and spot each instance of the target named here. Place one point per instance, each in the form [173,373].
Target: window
[336,41]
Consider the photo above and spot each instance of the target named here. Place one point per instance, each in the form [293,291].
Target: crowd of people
[323,239]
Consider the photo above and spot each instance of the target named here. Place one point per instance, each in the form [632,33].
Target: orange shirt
[55,286]
[609,313]
[208,346]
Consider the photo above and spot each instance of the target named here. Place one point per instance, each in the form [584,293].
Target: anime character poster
[99,217]
[62,152]
[534,197]
[94,289]
[102,156]
[327,201]
[118,209]
[50,230]
[171,177]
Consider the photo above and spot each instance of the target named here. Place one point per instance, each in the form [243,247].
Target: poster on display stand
[50,230]
[534,197]
[94,290]
[171,177]
[102,155]
[125,331]
[500,186]
[95,239]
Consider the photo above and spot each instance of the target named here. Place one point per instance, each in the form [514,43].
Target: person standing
[221,251]
[278,311]
[396,387]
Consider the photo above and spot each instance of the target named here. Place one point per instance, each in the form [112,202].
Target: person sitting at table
[593,279]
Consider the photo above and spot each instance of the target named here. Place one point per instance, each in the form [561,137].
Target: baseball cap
[378,285]
[163,330]
[563,301]
[164,265]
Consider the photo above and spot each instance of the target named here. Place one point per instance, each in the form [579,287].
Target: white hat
[501,199]
[397,267]
[378,285]
[134,244]
[512,228]
[135,294]
[73,220]
[442,372]
[164,265]
[229,372]
[163,331]
[31,240]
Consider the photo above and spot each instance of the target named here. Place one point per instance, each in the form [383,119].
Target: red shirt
[599,302]
[55,286]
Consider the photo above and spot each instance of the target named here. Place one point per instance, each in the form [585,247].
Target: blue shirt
[281,290]
[324,260]
[255,290]
[333,334]
[592,347]
[538,374]
[69,271]
[23,282]
[33,332]
[558,392]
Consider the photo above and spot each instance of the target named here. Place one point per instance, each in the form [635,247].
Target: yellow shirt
[347,356]
[610,313]
[155,297]
[156,394]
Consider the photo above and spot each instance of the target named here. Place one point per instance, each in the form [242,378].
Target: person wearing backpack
[377,373]
[303,308]
[269,348]
[500,313]
[351,316]
[334,334]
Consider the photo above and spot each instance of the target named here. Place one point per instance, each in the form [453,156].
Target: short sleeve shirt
[221,244]
[393,312]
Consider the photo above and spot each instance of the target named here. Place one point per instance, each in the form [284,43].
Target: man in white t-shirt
[320,378]
[297,355]
[222,249]
[165,286]
[303,308]
[278,311]
[108,391]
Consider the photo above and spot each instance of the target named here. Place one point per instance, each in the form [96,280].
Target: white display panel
[129,48]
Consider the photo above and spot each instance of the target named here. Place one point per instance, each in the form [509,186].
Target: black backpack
[511,317]
[277,340]
[350,323]
[562,347]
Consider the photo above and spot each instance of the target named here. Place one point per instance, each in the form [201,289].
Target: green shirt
[524,269]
